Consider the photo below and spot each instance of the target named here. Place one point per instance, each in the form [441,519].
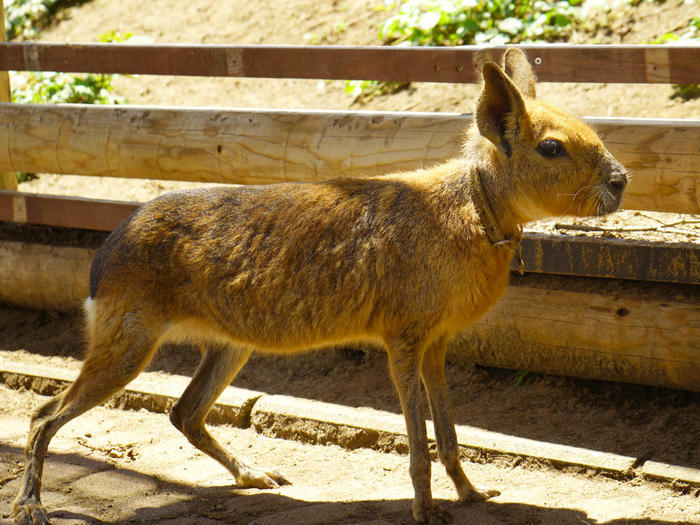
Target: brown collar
[488,221]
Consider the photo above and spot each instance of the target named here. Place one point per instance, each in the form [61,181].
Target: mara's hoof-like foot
[432,515]
[30,512]
[478,495]
[259,479]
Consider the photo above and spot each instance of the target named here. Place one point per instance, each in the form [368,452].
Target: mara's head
[549,162]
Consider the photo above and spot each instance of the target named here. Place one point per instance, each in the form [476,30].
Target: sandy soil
[133,467]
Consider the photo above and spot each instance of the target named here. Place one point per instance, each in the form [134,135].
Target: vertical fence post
[8,180]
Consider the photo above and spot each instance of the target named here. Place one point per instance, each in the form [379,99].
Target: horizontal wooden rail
[611,258]
[259,146]
[556,254]
[63,212]
[551,62]
[609,330]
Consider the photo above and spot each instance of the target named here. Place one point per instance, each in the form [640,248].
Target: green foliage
[460,22]
[55,88]
[522,377]
[115,37]
[25,18]
[365,90]
[690,35]
[686,91]
[24,177]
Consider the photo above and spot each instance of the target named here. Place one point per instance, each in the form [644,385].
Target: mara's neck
[492,191]
[493,206]
[475,198]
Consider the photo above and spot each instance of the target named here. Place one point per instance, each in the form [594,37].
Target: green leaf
[427,21]
[510,25]
[559,20]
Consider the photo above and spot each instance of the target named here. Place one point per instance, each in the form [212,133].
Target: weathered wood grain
[259,146]
[42,276]
[63,212]
[664,157]
[552,62]
[245,147]
[611,258]
[8,180]
[602,329]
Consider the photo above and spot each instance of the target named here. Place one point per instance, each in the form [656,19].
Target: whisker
[575,194]
[590,195]
[585,192]
[590,191]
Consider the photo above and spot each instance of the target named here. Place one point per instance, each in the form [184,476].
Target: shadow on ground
[165,502]
[631,420]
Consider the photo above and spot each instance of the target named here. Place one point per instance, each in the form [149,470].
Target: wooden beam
[552,62]
[601,329]
[63,212]
[259,146]
[42,276]
[611,258]
[664,157]
[555,254]
[8,180]
[208,145]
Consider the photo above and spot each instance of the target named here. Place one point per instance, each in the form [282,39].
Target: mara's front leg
[433,374]
[404,362]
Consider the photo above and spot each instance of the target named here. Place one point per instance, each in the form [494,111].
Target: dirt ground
[133,467]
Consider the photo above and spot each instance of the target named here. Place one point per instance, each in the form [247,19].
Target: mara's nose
[618,181]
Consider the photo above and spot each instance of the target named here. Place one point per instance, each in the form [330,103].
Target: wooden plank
[552,62]
[8,180]
[259,146]
[601,329]
[611,258]
[64,212]
[663,156]
[554,254]
[207,145]
[43,276]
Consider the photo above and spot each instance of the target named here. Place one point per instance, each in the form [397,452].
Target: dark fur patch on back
[104,253]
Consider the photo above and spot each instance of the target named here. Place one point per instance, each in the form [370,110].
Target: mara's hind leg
[117,353]
[219,366]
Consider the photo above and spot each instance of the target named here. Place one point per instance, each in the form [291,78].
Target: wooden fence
[265,146]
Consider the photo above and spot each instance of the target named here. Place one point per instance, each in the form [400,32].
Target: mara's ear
[500,101]
[519,71]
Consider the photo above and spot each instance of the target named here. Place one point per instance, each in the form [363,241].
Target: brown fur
[404,260]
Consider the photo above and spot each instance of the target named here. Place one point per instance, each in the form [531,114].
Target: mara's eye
[551,148]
